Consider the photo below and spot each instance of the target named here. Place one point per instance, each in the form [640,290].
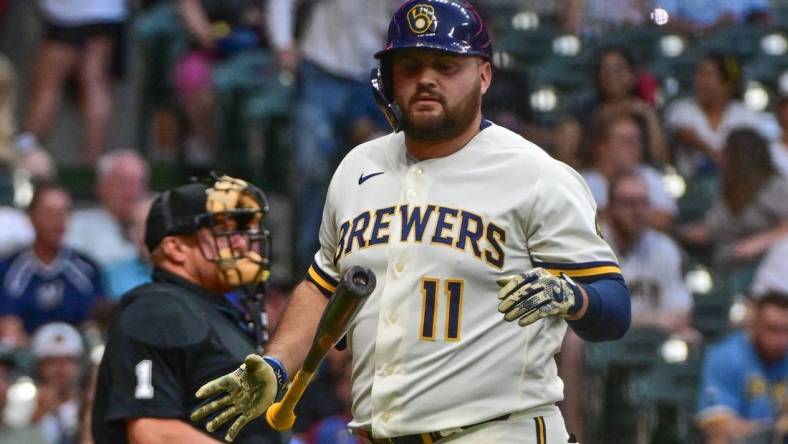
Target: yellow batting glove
[248,392]
[535,294]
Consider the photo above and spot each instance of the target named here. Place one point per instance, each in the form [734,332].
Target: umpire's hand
[250,390]
[535,294]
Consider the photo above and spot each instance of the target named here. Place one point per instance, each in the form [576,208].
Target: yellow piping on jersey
[583,272]
[320,281]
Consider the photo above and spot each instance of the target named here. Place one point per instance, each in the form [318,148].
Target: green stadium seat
[698,197]
[666,399]
[741,41]
[711,311]
[527,47]
[637,350]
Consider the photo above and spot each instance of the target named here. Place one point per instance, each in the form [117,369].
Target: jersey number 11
[430,288]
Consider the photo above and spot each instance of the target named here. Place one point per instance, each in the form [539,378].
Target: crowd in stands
[690,179]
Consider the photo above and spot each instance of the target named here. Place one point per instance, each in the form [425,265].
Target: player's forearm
[296,329]
[161,431]
[606,312]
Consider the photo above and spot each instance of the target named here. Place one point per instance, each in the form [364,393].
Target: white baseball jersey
[652,269]
[430,349]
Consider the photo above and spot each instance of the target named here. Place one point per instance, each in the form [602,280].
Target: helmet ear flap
[382,90]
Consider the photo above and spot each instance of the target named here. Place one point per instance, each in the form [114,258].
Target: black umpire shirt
[169,338]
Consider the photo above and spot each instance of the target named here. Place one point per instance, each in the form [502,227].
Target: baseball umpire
[462,221]
[178,332]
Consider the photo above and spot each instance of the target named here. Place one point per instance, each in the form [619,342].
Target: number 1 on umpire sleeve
[429,308]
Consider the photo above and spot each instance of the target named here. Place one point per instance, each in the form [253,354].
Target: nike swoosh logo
[362,178]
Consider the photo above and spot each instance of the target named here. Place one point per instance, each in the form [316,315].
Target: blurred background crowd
[674,111]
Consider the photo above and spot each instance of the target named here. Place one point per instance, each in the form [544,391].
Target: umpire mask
[240,246]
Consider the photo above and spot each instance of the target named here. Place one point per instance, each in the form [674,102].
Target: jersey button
[419,171]
[399,267]
[411,193]
[390,369]
[385,417]
[393,318]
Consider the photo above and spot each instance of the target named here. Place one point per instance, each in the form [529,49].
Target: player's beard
[447,125]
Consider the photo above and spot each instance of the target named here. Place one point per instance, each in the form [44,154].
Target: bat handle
[281,415]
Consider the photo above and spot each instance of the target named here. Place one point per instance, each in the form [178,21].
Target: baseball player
[461,220]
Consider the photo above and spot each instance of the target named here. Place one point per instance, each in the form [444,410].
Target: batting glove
[250,390]
[535,294]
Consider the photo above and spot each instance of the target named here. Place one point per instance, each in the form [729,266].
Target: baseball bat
[357,283]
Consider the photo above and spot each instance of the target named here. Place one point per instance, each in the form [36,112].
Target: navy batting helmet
[444,25]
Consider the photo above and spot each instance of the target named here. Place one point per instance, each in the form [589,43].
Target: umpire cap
[175,211]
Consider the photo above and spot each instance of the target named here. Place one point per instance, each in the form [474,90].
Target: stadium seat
[711,311]
[638,349]
[527,47]
[698,197]
[741,41]
[250,94]
[611,365]
[666,398]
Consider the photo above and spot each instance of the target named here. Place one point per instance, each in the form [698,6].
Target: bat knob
[360,278]
[360,281]
[279,419]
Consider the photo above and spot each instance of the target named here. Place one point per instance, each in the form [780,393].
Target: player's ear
[485,75]
[173,249]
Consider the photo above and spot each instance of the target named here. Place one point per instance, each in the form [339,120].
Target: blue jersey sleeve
[609,313]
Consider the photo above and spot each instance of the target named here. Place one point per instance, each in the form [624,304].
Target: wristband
[578,295]
[280,373]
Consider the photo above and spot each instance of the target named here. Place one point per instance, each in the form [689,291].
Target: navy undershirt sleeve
[608,315]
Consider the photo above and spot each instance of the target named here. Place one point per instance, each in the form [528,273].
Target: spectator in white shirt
[616,148]
[102,232]
[650,260]
[701,124]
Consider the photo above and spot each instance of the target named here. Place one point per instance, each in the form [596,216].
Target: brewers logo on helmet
[421,18]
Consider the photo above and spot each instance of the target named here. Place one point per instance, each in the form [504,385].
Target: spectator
[742,388]
[701,124]
[704,16]
[217,29]
[121,182]
[616,148]
[619,89]
[752,211]
[333,68]
[46,281]
[58,351]
[12,333]
[122,276]
[779,148]
[650,260]
[14,434]
[83,39]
